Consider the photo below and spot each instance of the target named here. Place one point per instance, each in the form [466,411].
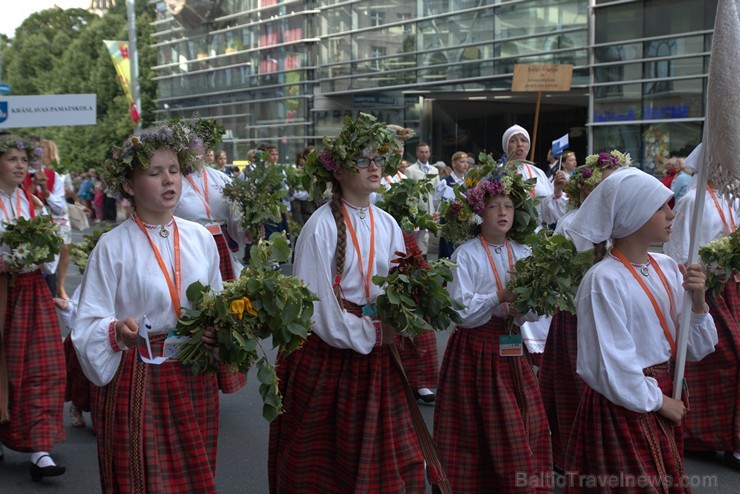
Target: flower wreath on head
[590,174]
[463,215]
[355,137]
[210,132]
[10,141]
[175,136]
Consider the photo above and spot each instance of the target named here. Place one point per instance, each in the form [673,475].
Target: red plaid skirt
[35,360]
[157,428]
[78,386]
[560,386]
[346,426]
[420,360]
[714,420]
[489,423]
[613,448]
[228,382]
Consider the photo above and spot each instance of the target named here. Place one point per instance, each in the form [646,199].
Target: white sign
[54,110]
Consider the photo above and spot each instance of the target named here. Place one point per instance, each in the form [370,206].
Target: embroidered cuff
[378,325]
[112,338]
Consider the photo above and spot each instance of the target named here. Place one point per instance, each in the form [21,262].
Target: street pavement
[242,447]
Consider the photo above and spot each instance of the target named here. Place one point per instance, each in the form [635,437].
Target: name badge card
[510,345]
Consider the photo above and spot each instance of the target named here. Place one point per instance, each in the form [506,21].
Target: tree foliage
[58,51]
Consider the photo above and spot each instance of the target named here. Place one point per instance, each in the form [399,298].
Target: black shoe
[732,461]
[427,398]
[38,473]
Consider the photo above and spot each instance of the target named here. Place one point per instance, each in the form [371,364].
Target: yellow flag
[119,54]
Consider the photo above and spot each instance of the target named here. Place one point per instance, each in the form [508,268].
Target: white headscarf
[617,207]
[510,132]
[692,161]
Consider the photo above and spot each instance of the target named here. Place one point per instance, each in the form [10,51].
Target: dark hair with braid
[336,208]
[599,252]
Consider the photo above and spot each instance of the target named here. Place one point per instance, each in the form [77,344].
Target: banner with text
[53,110]
[119,54]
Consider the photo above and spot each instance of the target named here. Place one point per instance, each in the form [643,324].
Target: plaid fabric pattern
[489,422]
[713,424]
[534,359]
[560,386]
[78,386]
[35,358]
[157,428]
[609,440]
[420,360]
[346,426]
[224,257]
[228,382]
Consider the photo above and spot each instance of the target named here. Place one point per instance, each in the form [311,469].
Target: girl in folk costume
[714,421]
[202,201]
[551,206]
[627,428]
[346,426]
[560,386]
[489,423]
[31,353]
[156,425]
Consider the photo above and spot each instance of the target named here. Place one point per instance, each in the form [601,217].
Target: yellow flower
[248,307]
[237,308]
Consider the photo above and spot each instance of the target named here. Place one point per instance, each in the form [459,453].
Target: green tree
[42,60]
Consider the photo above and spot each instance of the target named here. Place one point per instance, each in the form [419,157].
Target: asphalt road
[242,449]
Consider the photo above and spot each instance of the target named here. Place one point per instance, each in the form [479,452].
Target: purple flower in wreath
[478,196]
[587,173]
[19,145]
[606,160]
[328,162]
[37,151]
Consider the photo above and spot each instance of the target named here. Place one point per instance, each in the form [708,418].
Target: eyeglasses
[365,162]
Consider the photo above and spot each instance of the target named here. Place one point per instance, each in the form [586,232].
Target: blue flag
[559,145]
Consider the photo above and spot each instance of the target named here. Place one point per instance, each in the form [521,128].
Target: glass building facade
[287,72]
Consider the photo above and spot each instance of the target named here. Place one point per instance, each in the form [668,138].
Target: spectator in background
[420,170]
[672,167]
[211,158]
[680,184]
[568,163]
[443,169]
[86,191]
[221,161]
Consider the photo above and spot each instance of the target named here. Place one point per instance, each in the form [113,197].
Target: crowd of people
[510,410]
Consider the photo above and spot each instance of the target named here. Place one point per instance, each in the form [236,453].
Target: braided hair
[335,204]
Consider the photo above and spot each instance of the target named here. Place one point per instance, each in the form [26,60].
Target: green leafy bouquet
[30,243]
[722,258]
[80,252]
[545,281]
[402,201]
[262,303]
[415,297]
[258,199]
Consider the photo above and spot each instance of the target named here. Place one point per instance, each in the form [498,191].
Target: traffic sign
[4,88]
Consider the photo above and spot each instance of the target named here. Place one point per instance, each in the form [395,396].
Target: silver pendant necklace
[644,270]
[164,232]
